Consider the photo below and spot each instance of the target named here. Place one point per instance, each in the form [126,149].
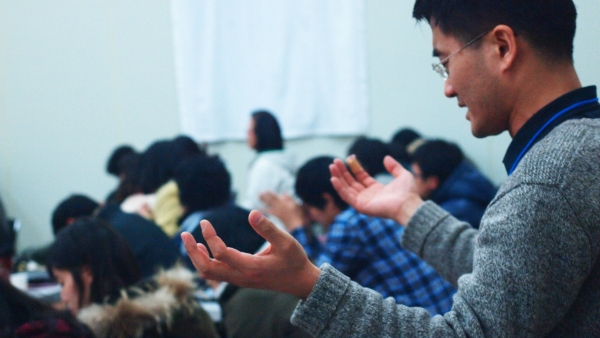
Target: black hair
[129,166]
[74,206]
[437,158]
[549,26]
[370,153]
[93,243]
[154,166]
[185,146]
[267,131]
[18,308]
[7,248]
[112,167]
[405,136]
[313,180]
[158,163]
[203,183]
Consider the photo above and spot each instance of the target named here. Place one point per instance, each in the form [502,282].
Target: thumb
[392,166]
[266,229]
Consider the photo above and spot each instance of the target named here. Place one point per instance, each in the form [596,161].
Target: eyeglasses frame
[441,69]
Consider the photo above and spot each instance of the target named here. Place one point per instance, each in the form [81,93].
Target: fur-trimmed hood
[163,306]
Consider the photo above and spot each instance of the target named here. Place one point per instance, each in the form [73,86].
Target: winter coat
[163,306]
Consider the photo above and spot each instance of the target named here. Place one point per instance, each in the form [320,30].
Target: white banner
[303,60]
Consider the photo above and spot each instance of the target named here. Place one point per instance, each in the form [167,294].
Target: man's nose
[448,89]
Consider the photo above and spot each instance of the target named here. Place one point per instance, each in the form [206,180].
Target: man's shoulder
[571,149]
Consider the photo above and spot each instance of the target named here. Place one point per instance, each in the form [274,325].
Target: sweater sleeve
[441,240]
[530,261]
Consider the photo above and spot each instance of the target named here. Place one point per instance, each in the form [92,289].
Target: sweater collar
[540,124]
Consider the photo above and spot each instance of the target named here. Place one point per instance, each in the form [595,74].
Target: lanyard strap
[559,114]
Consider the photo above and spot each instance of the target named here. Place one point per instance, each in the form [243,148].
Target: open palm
[396,200]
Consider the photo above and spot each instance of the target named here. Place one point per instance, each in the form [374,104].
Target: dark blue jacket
[152,248]
[465,194]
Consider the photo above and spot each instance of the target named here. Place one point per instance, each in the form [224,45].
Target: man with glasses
[533,267]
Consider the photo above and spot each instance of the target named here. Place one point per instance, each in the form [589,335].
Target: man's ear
[505,46]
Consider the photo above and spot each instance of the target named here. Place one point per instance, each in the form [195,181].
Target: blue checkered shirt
[368,250]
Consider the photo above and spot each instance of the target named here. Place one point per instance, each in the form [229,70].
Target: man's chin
[480,132]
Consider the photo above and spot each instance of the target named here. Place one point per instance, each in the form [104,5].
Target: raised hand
[282,266]
[285,208]
[397,200]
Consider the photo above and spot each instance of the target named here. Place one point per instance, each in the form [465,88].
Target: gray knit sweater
[532,270]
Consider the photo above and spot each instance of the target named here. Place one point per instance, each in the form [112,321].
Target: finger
[267,230]
[203,248]
[353,163]
[229,256]
[346,178]
[199,256]
[362,176]
[216,245]
[346,193]
[392,166]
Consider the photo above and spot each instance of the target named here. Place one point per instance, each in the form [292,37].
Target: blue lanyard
[559,114]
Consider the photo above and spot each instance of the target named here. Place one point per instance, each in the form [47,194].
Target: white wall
[77,78]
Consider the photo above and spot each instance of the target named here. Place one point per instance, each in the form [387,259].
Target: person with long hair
[24,316]
[102,286]
[273,169]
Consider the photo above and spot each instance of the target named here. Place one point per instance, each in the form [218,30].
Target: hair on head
[267,130]
[203,182]
[370,153]
[112,167]
[437,158]
[94,244]
[71,208]
[549,26]
[405,136]
[313,180]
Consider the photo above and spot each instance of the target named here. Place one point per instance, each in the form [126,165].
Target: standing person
[533,268]
[273,169]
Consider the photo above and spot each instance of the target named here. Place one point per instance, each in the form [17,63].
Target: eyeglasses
[440,67]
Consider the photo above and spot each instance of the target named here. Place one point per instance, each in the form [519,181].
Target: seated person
[115,167]
[101,285]
[407,138]
[273,168]
[152,248]
[24,316]
[367,249]
[250,313]
[370,153]
[444,176]
[205,191]
[65,213]
[7,244]
[157,198]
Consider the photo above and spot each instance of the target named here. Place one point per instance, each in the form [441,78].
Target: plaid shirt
[368,250]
